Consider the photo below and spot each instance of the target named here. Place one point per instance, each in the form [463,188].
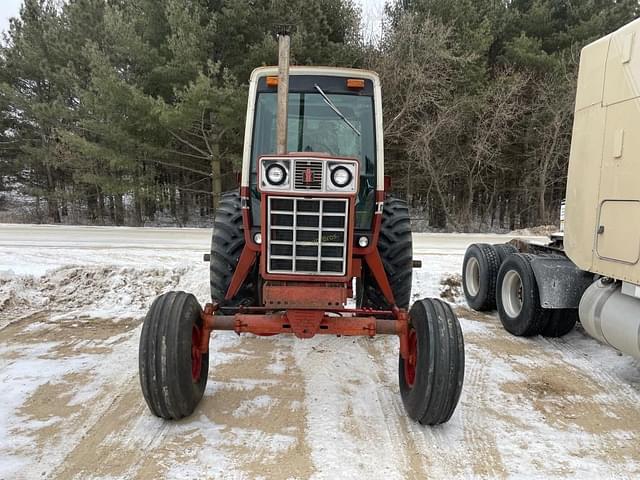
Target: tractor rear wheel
[173,371]
[479,273]
[396,251]
[227,243]
[431,377]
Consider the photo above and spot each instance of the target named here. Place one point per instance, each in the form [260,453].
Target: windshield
[313,126]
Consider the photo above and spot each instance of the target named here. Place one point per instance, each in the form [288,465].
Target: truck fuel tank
[611,316]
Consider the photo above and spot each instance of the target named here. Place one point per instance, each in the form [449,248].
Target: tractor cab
[331,112]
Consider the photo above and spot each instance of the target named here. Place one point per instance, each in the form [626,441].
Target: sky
[372,11]
[8,9]
[372,14]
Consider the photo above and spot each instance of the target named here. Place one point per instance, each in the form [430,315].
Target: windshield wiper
[328,101]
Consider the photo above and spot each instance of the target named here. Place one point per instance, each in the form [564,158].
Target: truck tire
[518,297]
[431,378]
[227,242]
[173,374]
[504,250]
[561,322]
[479,274]
[395,247]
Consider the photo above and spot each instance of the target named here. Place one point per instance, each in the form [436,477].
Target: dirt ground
[255,416]
[281,408]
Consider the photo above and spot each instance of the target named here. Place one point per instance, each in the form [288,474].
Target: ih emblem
[308,176]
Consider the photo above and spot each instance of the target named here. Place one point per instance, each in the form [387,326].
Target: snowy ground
[71,303]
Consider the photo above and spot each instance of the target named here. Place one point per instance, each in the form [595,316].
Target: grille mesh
[308,175]
[307,236]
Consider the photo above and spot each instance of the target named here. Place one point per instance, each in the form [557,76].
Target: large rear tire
[431,378]
[173,372]
[227,243]
[479,273]
[518,297]
[396,251]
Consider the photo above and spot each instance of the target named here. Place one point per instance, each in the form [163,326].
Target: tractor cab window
[314,127]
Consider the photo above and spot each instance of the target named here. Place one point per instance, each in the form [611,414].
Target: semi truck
[590,272]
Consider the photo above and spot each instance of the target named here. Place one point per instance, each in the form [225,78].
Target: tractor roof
[320,70]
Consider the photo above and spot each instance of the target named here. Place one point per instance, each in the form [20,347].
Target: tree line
[131,111]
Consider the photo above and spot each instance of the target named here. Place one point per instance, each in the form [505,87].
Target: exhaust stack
[284,42]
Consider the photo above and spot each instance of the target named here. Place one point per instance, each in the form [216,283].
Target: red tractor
[312,215]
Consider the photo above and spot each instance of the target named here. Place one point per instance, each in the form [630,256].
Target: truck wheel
[227,243]
[504,250]
[518,298]
[395,247]
[173,372]
[431,377]
[479,273]
[560,322]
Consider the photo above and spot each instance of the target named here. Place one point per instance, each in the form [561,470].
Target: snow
[71,302]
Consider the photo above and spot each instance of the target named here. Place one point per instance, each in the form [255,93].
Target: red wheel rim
[196,354]
[412,359]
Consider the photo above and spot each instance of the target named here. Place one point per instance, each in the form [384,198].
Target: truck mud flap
[560,283]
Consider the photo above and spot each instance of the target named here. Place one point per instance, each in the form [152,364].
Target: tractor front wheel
[173,370]
[431,376]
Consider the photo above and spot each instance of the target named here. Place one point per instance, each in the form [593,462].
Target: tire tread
[489,264]
[435,395]
[165,341]
[395,247]
[227,243]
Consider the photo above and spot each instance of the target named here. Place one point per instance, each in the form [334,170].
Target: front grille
[307,236]
[308,175]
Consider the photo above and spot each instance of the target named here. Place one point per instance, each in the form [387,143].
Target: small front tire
[173,371]
[431,377]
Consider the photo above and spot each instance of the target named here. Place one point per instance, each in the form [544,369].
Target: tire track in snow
[459,448]
[352,430]
[415,464]
[557,394]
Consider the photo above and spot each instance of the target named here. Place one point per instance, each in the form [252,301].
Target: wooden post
[283,92]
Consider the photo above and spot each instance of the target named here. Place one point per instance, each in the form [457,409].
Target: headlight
[276,174]
[363,241]
[341,177]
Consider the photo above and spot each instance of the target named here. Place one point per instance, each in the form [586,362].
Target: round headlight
[276,174]
[257,238]
[341,177]
[363,241]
